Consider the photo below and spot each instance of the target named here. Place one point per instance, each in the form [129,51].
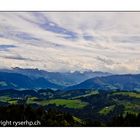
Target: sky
[71,41]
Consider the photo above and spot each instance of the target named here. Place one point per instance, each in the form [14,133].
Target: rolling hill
[19,81]
[121,82]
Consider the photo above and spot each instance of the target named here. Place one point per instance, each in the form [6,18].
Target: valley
[96,106]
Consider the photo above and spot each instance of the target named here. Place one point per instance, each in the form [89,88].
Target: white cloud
[68,41]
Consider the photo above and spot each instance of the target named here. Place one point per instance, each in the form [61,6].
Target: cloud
[6,47]
[46,24]
[18,58]
[69,41]
[105,60]
[127,39]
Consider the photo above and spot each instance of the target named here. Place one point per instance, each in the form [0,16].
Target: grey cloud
[105,60]
[49,25]
[88,37]
[126,39]
[18,57]
[6,47]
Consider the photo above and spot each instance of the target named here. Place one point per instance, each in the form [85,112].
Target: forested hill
[121,82]
[19,81]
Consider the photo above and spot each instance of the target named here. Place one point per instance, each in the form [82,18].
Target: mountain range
[60,78]
[112,82]
[19,81]
[19,78]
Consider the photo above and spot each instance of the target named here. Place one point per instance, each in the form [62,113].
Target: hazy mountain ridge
[33,79]
[59,78]
[121,82]
[19,81]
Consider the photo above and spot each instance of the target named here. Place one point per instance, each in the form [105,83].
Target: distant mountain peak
[59,78]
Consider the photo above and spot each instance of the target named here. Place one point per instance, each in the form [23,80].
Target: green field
[76,104]
[2,83]
[77,120]
[131,106]
[7,99]
[106,110]
[87,94]
[130,94]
